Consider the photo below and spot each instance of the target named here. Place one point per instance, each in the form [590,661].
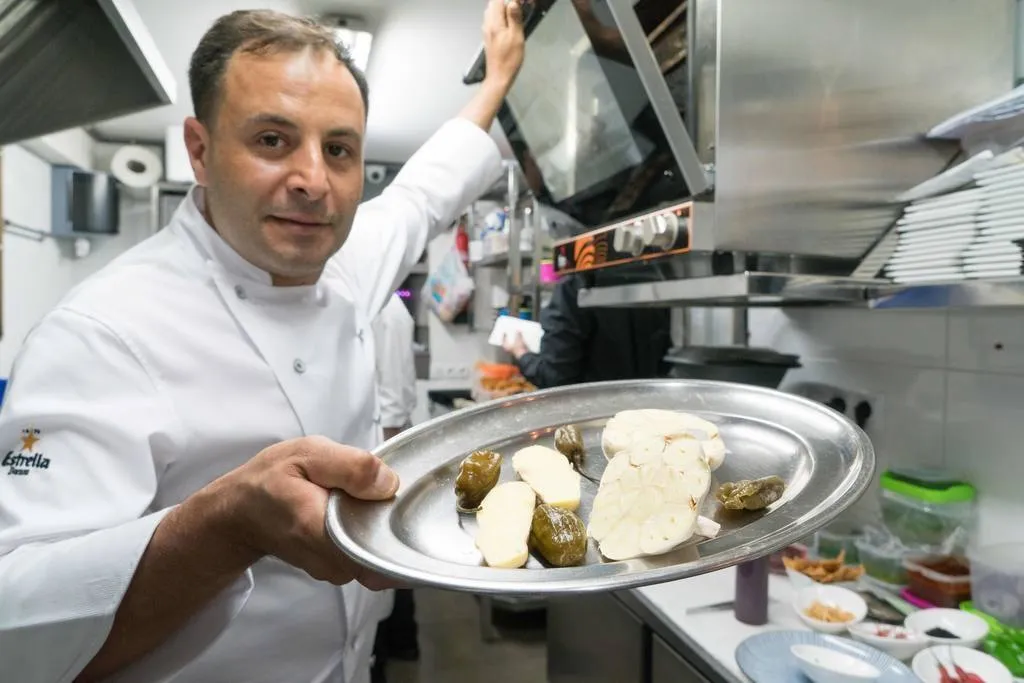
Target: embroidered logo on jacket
[22,462]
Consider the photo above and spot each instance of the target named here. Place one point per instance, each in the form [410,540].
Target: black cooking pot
[759,367]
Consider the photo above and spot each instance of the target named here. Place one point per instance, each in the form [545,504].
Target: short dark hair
[257,31]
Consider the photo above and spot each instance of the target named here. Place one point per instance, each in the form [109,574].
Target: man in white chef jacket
[172,428]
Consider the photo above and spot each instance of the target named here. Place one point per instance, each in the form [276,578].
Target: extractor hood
[70,63]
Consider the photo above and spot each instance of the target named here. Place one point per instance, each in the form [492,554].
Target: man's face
[282,160]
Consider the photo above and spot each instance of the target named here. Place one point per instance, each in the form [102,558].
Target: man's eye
[335,150]
[272,140]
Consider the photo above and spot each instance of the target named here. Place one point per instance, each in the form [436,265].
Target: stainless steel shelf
[499,260]
[786,290]
[1004,293]
[743,289]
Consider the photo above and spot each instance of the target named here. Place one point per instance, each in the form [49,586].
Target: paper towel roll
[137,168]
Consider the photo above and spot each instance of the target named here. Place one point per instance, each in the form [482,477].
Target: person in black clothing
[593,344]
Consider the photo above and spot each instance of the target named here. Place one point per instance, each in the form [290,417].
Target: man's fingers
[357,472]
[494,16]
[514,13]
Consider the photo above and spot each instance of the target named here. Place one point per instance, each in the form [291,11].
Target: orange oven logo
[584,253]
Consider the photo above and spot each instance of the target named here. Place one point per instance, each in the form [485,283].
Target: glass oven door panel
[581,121]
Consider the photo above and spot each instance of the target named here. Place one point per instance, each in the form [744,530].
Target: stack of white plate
[967,234]
[996,251]
[933,235]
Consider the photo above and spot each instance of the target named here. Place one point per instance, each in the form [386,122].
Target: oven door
[595,117]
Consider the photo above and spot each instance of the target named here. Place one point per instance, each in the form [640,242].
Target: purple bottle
[751,605]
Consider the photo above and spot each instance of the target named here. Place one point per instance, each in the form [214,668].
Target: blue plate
[766,658]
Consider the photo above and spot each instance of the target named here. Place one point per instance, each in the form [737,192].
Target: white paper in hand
[506,325]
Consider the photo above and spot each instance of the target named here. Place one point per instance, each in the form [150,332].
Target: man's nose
[308,176]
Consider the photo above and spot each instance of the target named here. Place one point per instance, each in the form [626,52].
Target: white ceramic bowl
[832,596]
[824,665]
[990,669]
[969,629]
[898,641]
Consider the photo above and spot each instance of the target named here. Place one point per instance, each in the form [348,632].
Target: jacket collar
[189,220]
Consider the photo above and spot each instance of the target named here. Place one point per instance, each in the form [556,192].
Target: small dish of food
[898,641]
[825,665]
[829,609]
[949,627]
[942,664]
[804,572]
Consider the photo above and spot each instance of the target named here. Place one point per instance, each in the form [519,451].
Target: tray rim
[765,545]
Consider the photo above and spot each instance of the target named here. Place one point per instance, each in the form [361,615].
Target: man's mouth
[301,220]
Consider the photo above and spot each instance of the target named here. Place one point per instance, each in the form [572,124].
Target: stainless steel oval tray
[420,538]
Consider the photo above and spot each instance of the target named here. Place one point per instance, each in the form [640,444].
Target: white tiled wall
[947,390]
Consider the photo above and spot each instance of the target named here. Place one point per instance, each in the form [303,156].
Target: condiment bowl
[987,668]
[968,630]
[897,641]
[830,596]
[824,665]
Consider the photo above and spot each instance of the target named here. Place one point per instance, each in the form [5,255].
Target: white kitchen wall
[37,274]
[947,390]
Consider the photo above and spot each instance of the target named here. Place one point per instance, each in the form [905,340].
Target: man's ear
[197,142]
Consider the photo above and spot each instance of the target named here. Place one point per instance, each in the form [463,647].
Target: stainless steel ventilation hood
[69,63]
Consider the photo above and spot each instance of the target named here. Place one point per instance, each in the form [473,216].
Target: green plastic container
[924,508]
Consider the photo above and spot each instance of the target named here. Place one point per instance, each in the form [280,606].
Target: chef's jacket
[394,330]
[173,365]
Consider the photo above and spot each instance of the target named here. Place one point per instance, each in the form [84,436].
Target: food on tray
[550,475]
[478,474]
[632,426]
[504,521]
[501,379]
[650,496]
[558,535]
[830,614]
[889,632]
[752,495]
[825,571]
[569,442]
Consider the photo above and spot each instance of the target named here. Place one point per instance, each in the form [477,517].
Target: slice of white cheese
[630,429]
[550,474]
[503,522]
[649,499]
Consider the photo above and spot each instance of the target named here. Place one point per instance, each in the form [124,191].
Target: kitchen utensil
[926,664]
[825,665]
[762,658]
[419,538]
[830,596]
[969,629]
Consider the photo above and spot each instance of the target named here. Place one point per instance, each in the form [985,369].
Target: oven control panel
[656,234]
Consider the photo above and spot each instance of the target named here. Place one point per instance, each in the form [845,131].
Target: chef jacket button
[240,292]
[359,333]
[376,420]
[299,366]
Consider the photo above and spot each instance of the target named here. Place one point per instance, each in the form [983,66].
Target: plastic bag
[448,288]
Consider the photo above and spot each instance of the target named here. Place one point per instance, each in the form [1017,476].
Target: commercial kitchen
[714,308]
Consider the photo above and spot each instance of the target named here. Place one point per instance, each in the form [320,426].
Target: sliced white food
[636,429]
[503,524]
[649,499]
[550,474]
[708,528]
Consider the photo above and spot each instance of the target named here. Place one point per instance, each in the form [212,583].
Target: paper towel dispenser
[70,63]
[85,203]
